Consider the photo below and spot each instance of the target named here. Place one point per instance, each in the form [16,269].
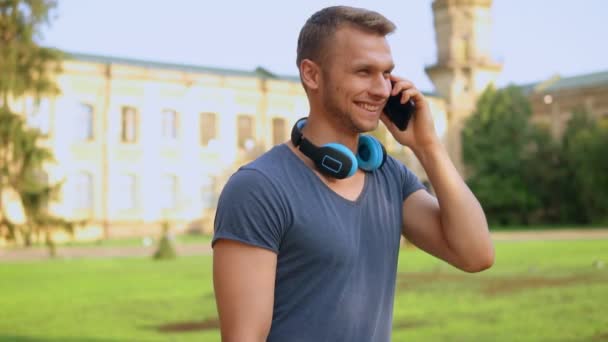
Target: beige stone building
[554,100]
[140,142]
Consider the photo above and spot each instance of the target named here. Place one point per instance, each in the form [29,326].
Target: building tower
[464,66]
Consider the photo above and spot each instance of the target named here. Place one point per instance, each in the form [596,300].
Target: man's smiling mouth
[369,107]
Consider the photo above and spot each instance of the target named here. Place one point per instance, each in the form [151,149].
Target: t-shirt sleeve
[250,211]
[410,182]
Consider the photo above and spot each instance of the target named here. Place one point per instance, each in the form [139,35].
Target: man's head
[316,34]
[344,62]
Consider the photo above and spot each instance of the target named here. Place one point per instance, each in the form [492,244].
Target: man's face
[355,78]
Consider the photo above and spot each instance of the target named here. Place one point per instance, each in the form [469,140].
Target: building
[554,100]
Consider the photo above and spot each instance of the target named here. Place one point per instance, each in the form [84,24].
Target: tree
[584,144]
[548,176]
[496,145]
[522,175]
[165,248]
[26,70]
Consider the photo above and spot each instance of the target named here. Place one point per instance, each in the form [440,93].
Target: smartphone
[399,113]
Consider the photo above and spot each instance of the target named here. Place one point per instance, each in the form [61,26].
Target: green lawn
[537,291]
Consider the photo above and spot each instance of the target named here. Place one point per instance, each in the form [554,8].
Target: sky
[534,39]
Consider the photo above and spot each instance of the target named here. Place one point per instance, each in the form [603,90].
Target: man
[303,256]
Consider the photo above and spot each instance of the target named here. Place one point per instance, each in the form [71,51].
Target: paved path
[41,253]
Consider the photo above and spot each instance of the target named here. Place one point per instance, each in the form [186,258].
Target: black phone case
[399,113]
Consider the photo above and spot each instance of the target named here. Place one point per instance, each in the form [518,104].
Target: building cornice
[441,4]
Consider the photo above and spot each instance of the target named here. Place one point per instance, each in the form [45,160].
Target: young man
[300,255]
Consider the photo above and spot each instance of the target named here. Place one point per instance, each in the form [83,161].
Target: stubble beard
[340,116]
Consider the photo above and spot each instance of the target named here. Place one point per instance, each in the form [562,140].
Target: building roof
[258,72]
[557,83]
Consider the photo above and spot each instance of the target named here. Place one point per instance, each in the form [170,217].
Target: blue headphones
[337,160]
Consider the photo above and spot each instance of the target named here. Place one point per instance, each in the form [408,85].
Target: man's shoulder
[268,161]
[394,165]
[265,170]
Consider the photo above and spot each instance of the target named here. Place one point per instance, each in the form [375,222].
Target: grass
[537,291]
[546,227]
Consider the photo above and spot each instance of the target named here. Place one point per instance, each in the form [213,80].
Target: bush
[165,250]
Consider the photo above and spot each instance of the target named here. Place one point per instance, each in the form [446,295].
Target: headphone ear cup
[337,161]
[371,154]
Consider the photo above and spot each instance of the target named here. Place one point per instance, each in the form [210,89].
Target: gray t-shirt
[336,258]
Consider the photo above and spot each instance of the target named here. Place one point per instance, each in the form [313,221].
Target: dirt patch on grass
[600,337]
[406,324]
[406,281]
[178,327]
[509,285]
[492,286]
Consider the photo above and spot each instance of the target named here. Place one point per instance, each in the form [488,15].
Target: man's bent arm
[243,279]
[453,226]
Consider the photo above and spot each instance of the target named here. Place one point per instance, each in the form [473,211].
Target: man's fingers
[400,84]
[411,93]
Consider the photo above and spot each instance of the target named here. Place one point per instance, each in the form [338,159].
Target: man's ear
[310,73]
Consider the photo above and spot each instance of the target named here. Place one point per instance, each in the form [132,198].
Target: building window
[84,122]
[208,198]
[208,128]
[83,191]
[129,124]
[245,132]
[278,131]
[168,192]
[38,115]
[169,124]
[127,192]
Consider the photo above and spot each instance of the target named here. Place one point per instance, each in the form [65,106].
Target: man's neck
[321,131]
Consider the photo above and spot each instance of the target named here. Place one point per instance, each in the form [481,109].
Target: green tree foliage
[546,173]
[165,249]
[26,70]
[584,144]
[522,174]
[496,141]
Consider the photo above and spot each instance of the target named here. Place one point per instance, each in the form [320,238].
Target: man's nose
[381,87]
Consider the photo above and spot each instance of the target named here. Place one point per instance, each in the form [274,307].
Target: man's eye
[363,72]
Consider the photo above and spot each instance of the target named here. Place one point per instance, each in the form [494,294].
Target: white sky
[535,39]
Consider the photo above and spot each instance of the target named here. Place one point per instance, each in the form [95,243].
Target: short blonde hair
[322,25]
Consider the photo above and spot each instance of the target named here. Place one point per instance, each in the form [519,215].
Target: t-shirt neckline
[311,173]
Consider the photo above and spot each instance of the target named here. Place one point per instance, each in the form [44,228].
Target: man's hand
[420,133]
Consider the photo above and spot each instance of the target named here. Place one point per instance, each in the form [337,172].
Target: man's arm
[452,226]
[243,278]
